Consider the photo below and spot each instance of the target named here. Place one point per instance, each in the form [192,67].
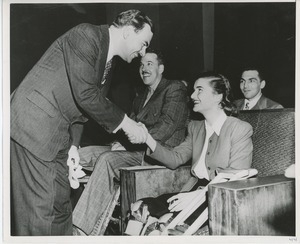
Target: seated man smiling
[162,107]
[251,84]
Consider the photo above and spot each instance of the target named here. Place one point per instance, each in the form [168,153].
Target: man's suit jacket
[262,103]
[61,89]
[232,149]
[165,115]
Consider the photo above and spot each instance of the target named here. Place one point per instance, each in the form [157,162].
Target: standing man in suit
[162,107]
[68,84]
[251,84]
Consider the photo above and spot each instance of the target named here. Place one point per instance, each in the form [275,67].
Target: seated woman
[220,142]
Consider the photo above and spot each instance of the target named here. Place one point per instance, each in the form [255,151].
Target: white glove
[73,156]
[75,170]
[290,171]
[181,200]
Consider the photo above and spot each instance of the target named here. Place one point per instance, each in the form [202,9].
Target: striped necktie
[106,71]
[150,93]
[246,106]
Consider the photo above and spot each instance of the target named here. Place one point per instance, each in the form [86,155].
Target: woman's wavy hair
[133,17]
[221,85]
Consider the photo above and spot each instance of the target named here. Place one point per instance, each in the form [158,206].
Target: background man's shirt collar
[253,101]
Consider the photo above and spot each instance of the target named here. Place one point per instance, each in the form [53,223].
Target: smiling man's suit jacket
[61,90]
[262,103]
[164,115]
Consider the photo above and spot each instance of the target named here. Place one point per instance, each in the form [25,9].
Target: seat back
[273,139]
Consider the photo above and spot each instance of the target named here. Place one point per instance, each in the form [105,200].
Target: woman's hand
[181,200]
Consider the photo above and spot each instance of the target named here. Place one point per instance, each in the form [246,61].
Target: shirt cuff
[122,124]
[151,143]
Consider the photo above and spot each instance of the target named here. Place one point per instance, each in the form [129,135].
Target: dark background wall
[260,34]
[35,26]
[192,36]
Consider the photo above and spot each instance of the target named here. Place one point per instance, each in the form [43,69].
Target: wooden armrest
[140,167]
[149,181]
[257,206]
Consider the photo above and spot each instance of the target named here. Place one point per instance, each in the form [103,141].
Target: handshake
[137,133]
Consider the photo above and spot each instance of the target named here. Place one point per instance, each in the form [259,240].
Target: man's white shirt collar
[154,86]
[253,101]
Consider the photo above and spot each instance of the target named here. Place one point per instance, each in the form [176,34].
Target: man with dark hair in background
[68,84]
[251,84]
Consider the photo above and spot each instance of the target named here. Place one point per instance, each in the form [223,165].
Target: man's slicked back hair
[160,57]
[254,68]
[134,18]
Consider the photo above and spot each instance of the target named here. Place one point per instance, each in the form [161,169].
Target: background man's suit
[262,103]
[66,81]
[165,116]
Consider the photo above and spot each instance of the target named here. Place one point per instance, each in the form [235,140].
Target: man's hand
[136,132]
[151,143]
[73,158]
[141,137]
[181,200]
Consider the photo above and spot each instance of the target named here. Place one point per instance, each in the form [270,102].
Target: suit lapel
[104,40]
[157,91]
[240,104]
[143,110]
[199,143]
[142,100]
[261,103]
